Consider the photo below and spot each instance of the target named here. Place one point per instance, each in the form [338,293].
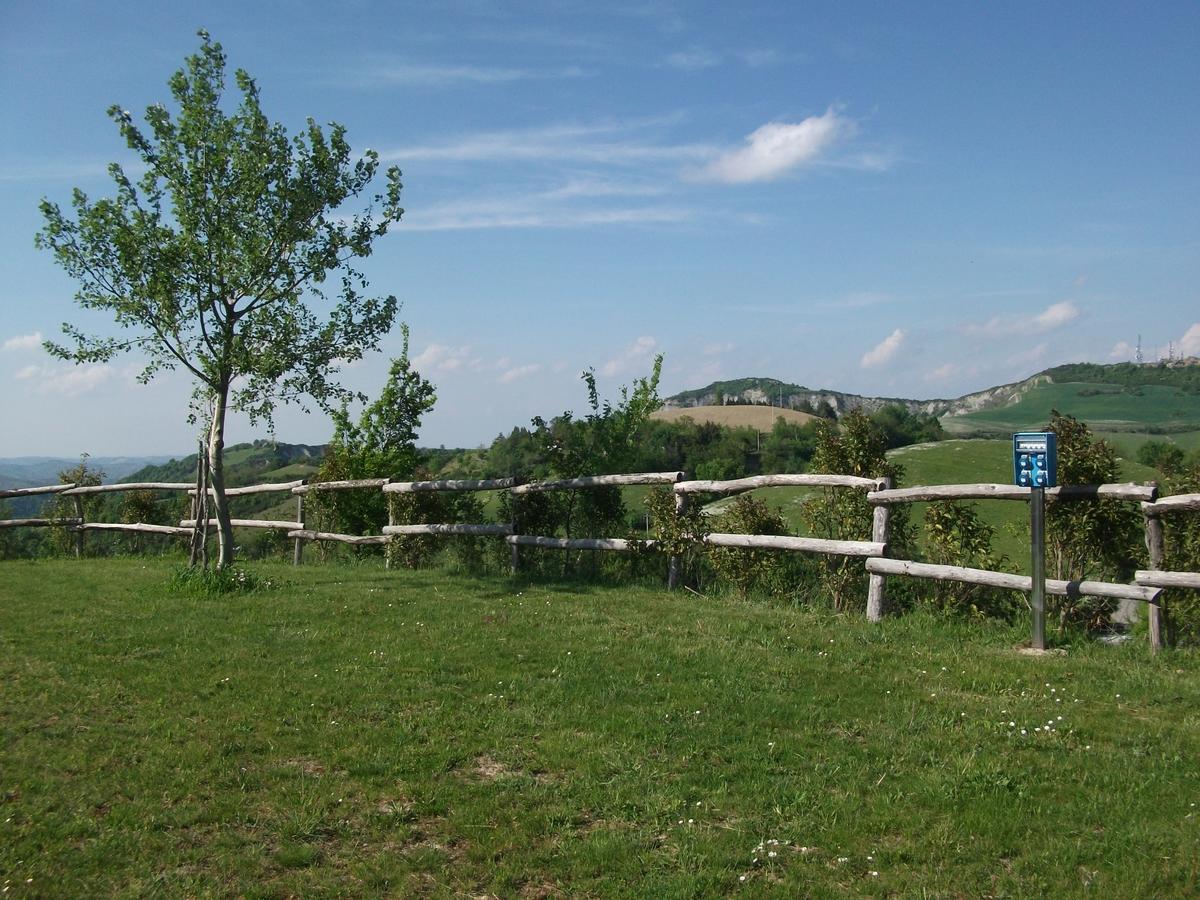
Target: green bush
[747,569]
[956,536]
[1088,539]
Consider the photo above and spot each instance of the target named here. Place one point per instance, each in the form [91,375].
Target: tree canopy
[210,259]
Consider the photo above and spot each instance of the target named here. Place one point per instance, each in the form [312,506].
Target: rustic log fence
[1148,584]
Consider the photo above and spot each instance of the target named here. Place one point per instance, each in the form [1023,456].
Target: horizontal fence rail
[31,491]
[490,484]
[1008,581]
[1177,503]
[593,481]
[1157,578]
[1147,587]
[920,494]
[787,542]
[127,486]
[763,481]
[248,523]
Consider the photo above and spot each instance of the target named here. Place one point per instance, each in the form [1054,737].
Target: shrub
[1098,539]
[858,448]
[749,568]
[956,536]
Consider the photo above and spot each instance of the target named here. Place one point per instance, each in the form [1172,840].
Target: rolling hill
[761,418]
[1156,397]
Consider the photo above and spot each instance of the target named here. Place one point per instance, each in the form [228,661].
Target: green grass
[352,731]
[1099,405]
[968,462]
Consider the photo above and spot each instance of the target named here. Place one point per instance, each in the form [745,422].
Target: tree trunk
[216,467]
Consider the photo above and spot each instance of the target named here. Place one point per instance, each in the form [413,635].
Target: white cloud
[1054,316]
[777,148]
[1033,355]
[67,381]
[884,351]
[24,342]
[1189,344]
[1122,350]
[607,143]
[694,59]
[435,75]
[439,358]
[635,355]
[460,216]
[942,372]
[511,375]
[857,300]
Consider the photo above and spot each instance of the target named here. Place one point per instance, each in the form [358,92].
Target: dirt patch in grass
[489,769]
[310,768]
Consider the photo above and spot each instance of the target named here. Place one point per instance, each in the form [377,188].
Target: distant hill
[1124,396]
[761,418]
[33,471]
[252,463]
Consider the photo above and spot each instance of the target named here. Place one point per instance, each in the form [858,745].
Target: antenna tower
[1137,354]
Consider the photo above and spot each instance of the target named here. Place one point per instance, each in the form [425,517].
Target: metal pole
[1037,536]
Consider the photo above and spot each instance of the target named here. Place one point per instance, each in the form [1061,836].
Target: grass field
[356,732]
[1099,405]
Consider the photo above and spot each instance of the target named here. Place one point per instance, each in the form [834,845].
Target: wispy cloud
[943,372]
[442,359]
[1054,316]
[857,300]
[692,60]
[1122,350]
[636,356]
[66,381]
[606,143]
[884,351]
[696,59]
[517,372]
[1189,344]
[437,75]
[23,342]
[776,149]
[462,215]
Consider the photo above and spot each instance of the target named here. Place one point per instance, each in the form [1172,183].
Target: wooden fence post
[514,552]
[298,551]
[673,567]
[1156,619]
[387,548]
[79,531]
[876,596]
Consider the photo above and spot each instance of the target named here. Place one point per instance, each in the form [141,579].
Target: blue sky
[905,199]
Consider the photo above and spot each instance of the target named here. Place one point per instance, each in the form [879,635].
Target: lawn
[355,731]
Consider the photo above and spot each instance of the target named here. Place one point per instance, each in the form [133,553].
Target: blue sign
[1035,459]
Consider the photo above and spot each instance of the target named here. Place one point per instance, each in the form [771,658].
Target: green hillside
[1105,407]
[249,463]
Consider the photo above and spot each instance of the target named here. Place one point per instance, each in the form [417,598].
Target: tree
[1168,458]
[1088,538]
[381,445]
[859,448]
[207,260]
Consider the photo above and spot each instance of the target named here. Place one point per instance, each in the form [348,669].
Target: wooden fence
[1148,584]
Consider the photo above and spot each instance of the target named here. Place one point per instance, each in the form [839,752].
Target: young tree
[207,260]
[381,445]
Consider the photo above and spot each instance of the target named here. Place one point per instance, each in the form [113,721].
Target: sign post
[1035,466]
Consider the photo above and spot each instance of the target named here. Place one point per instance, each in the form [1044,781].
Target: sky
[913,200]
